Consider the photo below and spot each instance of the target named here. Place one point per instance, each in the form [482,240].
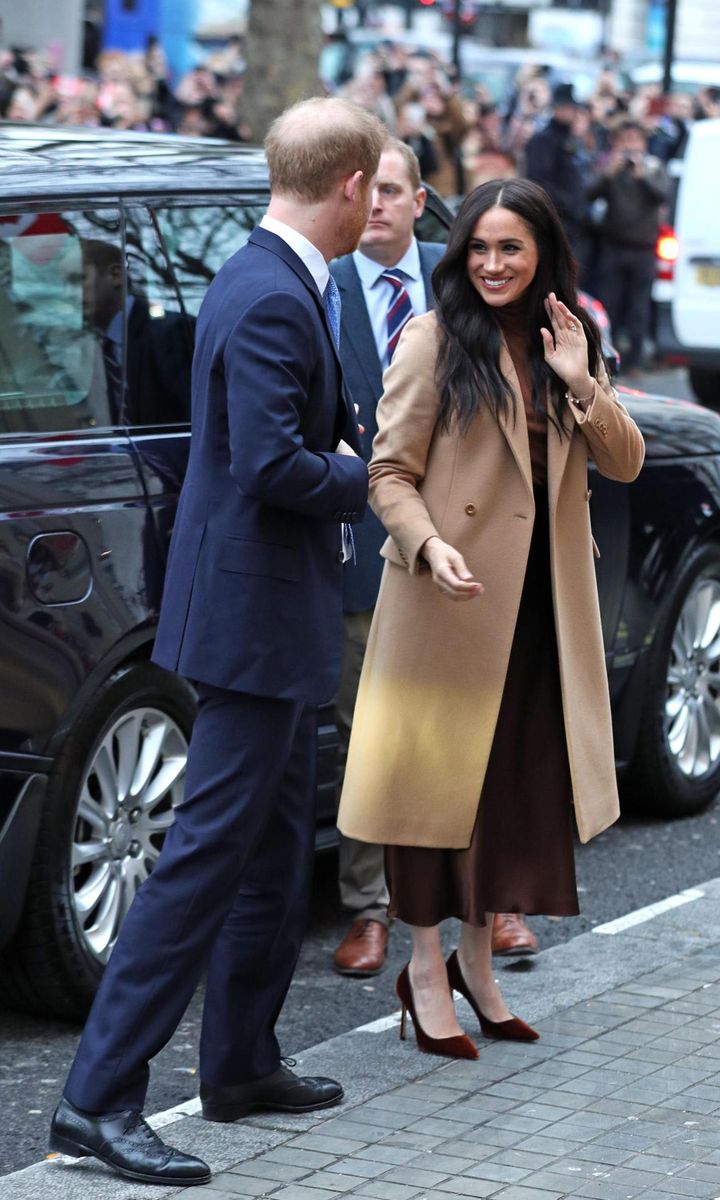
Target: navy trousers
[228,894]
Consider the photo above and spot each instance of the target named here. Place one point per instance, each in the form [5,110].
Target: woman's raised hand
[449,570]
[566,347]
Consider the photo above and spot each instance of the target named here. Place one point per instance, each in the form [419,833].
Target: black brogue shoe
[282,1091]
[125,1142]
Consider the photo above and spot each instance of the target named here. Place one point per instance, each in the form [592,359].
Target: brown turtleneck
[513,322]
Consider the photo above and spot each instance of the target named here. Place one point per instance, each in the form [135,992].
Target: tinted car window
[200,239]
[58,368]
[431,227]
[159,336]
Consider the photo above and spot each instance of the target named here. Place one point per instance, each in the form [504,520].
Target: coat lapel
[516,430]
[558,448]
[558,451]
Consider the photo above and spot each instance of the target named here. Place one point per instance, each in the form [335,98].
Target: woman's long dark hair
[468,368]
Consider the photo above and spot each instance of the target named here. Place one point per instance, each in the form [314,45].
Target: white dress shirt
[304,249]
[378,292]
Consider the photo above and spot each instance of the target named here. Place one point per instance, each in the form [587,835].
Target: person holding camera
[551,159]
[634,186]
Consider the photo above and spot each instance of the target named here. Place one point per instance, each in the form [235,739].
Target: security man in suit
[155,386]
[384,283]
[251,614]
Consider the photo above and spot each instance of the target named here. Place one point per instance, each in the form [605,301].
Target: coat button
[340,556]
[470,509]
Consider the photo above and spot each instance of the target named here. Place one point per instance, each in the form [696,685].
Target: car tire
[706,386]
[131,739]
[676,770]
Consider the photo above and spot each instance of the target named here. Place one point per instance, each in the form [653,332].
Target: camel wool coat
[435,669]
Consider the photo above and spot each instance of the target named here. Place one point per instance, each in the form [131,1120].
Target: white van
[687,286]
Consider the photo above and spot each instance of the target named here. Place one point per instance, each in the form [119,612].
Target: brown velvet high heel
[513,1030]
[451,1047]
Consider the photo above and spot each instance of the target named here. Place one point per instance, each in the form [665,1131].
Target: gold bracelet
[577,399]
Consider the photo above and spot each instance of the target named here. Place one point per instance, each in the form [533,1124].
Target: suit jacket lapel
[356,327]
[427,266]
[516,430]
[271,241]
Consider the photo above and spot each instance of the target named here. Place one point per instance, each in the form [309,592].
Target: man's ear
[420,198]
[353,185]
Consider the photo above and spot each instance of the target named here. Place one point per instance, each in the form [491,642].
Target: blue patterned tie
[331,300]
[399,312]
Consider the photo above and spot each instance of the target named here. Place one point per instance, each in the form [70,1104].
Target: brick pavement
[619,1099]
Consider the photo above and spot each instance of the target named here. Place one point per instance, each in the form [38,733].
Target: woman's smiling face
[502,257]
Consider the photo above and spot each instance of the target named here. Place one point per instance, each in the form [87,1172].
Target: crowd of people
[129,91]
[602,158]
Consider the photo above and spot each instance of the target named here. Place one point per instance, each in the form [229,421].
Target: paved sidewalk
[620,1098]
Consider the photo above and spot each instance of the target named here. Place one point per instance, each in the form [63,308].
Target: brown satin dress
[520,858]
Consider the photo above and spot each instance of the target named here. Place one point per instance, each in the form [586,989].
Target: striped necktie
[114,380]
[399,311]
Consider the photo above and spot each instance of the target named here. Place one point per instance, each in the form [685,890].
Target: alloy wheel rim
[134,780]
[692,704]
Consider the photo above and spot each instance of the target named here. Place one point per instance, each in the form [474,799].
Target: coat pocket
[260,558]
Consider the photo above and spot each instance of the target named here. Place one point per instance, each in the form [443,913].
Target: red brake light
[667,249]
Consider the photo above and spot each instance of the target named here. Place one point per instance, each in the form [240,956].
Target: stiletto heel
[513,1030]
[459,1046]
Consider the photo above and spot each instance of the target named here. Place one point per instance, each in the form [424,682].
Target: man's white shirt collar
[370,271]
[304,249]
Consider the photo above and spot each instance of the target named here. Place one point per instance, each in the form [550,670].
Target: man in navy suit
[374,310]
[251,614]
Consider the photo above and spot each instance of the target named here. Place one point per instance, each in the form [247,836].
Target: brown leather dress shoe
[363,949]
[510,935]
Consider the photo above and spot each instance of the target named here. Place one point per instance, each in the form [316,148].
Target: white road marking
[651,910]
[380,1025]
[190,1108]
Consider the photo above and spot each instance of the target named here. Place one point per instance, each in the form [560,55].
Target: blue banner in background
[655,26]
[129,23]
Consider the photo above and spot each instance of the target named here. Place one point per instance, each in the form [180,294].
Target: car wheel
[677,766]
[109,803]
[706,386]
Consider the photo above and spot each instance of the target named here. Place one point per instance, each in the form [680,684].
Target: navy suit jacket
[363,375]
[253,590]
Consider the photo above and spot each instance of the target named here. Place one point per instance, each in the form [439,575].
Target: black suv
[107,245]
